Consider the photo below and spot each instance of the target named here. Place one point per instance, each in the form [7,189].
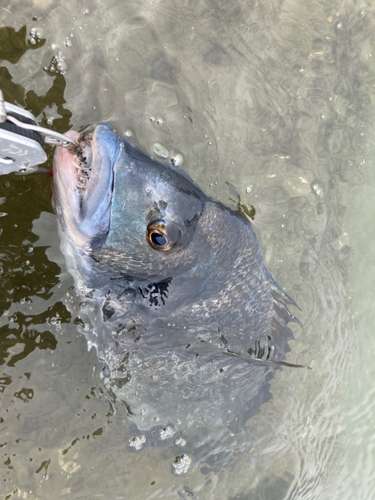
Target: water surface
[268,101]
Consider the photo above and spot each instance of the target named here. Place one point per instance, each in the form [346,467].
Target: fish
[189,323]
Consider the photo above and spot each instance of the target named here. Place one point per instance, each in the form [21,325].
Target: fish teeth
[82,181]
[83,169]
[83,176]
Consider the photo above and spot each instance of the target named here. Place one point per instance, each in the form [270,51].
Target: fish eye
[162,235]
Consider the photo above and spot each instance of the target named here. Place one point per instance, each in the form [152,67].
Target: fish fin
[282,317]
[264,362]
[283,296]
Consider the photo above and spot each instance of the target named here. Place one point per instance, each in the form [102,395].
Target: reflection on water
[275,99]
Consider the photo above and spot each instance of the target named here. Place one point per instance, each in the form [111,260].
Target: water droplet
[249,188]
[128,133]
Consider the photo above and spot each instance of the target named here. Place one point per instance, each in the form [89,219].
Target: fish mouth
[83,181]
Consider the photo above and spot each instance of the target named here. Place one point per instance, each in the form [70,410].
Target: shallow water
[270,100]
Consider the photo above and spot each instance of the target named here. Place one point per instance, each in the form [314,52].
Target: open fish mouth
[83,180]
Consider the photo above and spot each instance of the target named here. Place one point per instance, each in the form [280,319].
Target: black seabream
[180,307]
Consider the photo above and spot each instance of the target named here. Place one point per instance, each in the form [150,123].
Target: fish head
[119,208]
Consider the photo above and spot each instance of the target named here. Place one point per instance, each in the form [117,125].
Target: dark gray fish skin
[167,319]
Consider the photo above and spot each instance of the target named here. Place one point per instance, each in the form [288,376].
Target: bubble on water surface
[137,442]
[35,36]
[339,26]
[160,151]
[318,190]
[58,64]
[166,433]
[181,442]
[181,464]
[177,159]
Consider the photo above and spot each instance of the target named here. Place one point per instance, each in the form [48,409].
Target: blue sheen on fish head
[154,212]
[122,214]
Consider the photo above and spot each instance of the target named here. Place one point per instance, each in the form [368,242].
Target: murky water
[271,100]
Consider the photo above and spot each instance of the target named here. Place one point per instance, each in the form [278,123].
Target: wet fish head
[154,213]
[129,218]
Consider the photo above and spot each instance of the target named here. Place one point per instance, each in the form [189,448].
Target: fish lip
[83,181]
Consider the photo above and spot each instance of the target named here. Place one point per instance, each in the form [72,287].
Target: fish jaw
[82,190]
